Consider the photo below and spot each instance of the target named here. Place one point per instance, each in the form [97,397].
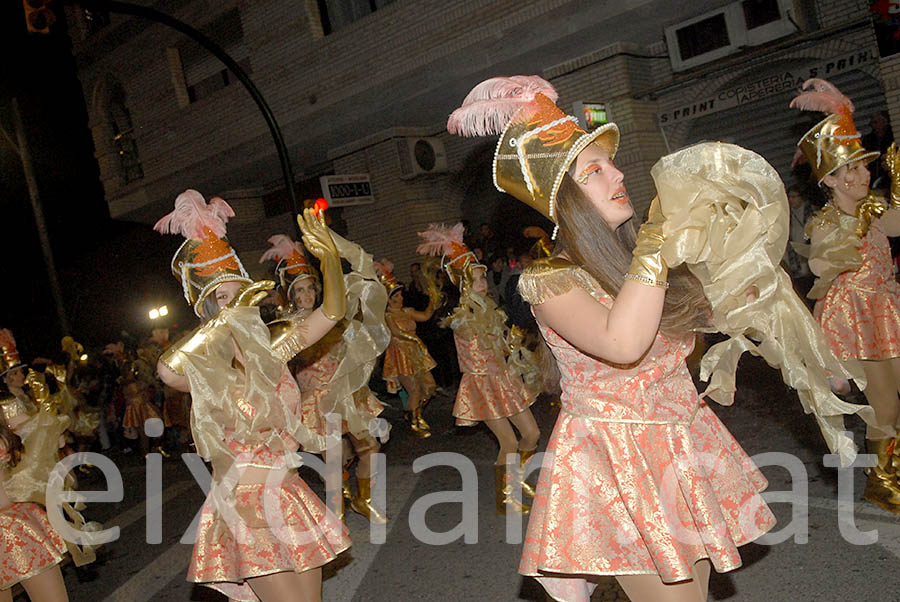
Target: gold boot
[362,503]
[881,485]
[895,460]
[505,500]
[418,425]
[525,455]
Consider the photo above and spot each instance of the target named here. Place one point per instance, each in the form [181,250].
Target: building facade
[365,87]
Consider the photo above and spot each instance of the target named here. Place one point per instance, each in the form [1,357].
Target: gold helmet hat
[538,141]
[205,259]
[834,141]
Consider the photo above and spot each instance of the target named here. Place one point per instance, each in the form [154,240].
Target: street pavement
[819,565]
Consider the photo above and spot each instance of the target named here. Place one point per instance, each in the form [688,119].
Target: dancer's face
[479,282]
[603,184]
[15,378]
[849,184]
[396,301]
[304,292]
[226,292]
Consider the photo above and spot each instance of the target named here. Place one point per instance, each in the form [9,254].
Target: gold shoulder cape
[365,337]
[727,219]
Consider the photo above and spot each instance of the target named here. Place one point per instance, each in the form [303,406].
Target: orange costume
[406,354]
[28,544]
[486,390]
[860,313]
[641,477]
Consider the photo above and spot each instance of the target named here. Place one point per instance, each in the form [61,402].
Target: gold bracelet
[647,280]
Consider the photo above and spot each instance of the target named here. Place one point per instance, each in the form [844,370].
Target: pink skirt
[860,323]
[487,397]
[307,537]
[631,499]
[28,544]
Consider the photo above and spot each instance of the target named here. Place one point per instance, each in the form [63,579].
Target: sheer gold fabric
[727,219]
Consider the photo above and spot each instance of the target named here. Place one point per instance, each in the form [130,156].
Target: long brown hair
[605,254]
[12,443]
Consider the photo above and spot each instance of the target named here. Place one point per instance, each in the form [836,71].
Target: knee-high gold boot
[881,485]
[505,498]
[525,455]
[362,503]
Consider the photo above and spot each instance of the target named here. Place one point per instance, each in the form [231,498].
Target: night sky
[110,271]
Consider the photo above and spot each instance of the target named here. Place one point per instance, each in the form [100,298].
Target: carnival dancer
[31,414]
[858,300]
[407,363]
[32,550]
[492,389]
[245,413]
[333,373]
[621,493]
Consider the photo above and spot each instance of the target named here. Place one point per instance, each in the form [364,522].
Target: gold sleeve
[836,252]
[287,337]
[550,277]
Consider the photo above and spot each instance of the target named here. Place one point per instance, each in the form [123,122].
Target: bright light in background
[159,312]
[83,357]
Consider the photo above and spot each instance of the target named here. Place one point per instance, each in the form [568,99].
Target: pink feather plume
[493,103]
[282,248]
[6,339]
[192,216]
[439,239]
[821,95]
[383,267]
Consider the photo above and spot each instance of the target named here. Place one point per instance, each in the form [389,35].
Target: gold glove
[647,264]
[893,164]
[317,240]
[867,210]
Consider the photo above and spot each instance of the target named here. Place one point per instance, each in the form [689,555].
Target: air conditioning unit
[730,29]
[421,156]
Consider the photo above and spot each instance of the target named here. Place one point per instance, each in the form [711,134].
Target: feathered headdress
[447,243]
[538,141]
[834,141]
[9,353]
[385,271]
[205,259]
[292,264]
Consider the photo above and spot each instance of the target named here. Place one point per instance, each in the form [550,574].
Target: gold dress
[406,354]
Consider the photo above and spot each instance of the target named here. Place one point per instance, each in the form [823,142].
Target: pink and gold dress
[136,414]
[259,517]
[486,390]
[640,476]
[860,313]
[318,365]
[28,544]
[406,354]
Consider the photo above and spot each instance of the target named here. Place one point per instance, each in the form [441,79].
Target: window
[123,136]
[336,14]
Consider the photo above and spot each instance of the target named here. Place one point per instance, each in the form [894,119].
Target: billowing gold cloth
[364,339]
[727,219]
[242,399]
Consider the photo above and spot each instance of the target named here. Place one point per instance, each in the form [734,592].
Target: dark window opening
[760,12]
[336,14]
[703,36]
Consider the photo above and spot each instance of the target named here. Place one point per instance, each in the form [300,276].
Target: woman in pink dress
[641,480]
[407,363]
[263,534]
[31,549]
[858,303]
[326,389]
[490,390]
